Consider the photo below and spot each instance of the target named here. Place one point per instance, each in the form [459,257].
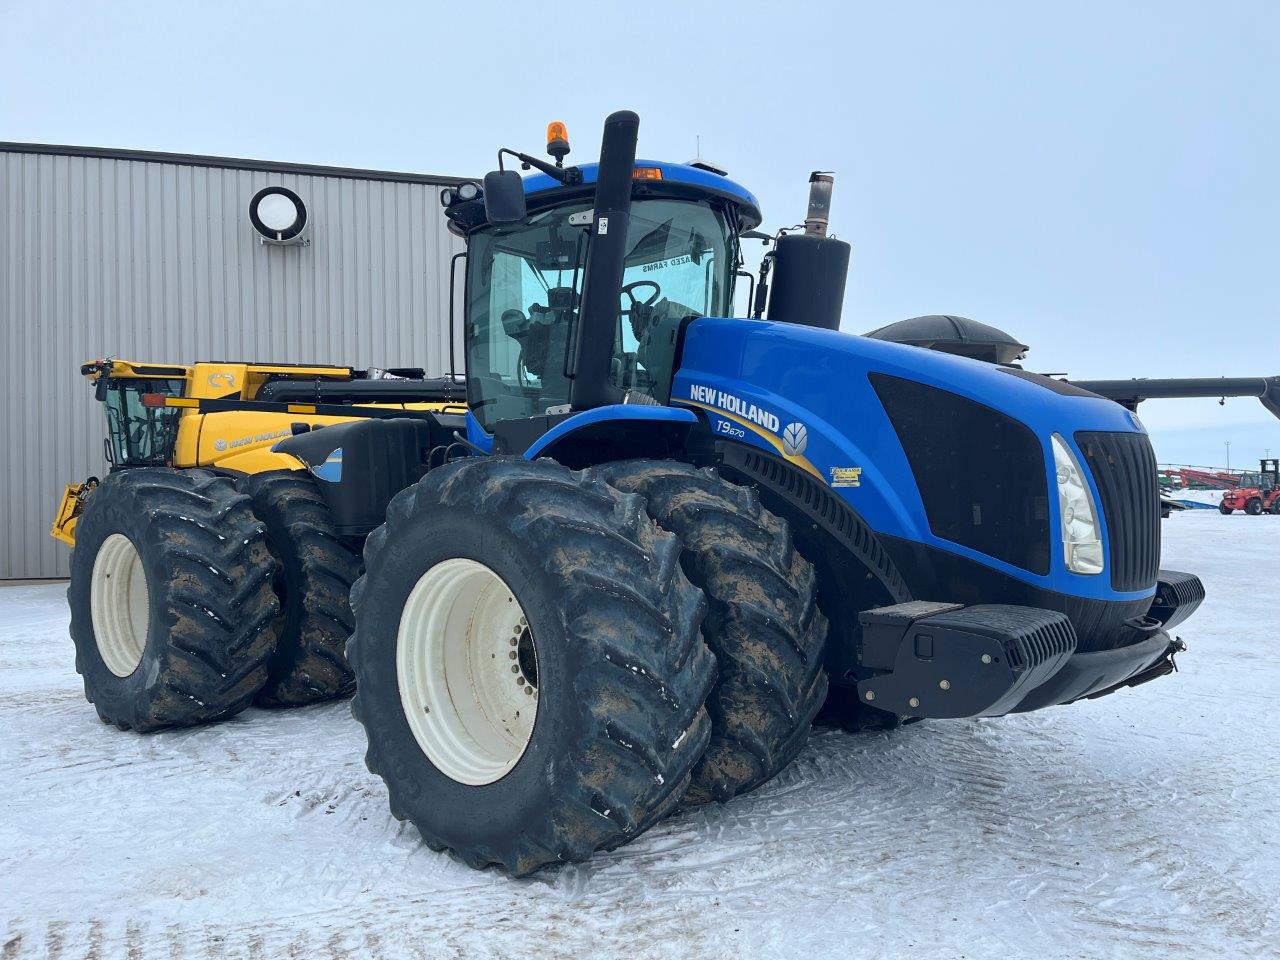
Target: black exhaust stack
[606,260]
[810,268]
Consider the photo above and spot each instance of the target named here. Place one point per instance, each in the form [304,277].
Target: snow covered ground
[1145,824]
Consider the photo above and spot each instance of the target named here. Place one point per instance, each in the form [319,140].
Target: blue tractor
[662,540]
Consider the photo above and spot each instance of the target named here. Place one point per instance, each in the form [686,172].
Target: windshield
[523,291]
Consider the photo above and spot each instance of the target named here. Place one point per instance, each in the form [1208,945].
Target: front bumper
[939,660]
[1095,674]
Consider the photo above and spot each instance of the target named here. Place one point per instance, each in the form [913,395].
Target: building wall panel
[142,259]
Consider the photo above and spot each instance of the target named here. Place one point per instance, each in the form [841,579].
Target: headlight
[1078,516]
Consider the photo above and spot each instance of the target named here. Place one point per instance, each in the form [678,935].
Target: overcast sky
[1099,179]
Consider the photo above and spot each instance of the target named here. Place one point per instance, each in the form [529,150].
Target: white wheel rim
[119,605]
[463,652]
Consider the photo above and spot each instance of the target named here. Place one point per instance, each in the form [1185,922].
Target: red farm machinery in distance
[1264,498]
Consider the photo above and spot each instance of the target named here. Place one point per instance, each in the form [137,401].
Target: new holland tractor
[661,539]
[208,571]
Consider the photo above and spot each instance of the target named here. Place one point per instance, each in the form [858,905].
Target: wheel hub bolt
[913,702]
[986,658]
[944,684]
[871,694]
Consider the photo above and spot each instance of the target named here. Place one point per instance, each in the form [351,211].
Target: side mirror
[503,197]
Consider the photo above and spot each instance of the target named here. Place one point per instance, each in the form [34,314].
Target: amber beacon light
[558,141]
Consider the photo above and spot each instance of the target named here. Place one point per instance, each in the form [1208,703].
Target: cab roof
[676,174]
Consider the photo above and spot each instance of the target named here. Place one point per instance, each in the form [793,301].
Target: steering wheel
[630,291]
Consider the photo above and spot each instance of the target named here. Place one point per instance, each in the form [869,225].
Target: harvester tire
[762,621]
[550,587]
[1224,509]
[1253,507]
[313,583]
[172,612]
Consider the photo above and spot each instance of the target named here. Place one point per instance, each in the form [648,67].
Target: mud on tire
[763,623]
[316,570]
[622,672]
[188,644]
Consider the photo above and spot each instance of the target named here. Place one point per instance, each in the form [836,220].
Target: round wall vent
[278,215]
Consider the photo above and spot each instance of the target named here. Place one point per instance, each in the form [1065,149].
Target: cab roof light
[558,141]
[647,173]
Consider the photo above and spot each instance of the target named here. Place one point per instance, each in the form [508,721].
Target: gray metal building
[152,256]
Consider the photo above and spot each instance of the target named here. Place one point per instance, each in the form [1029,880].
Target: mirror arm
[751,290]
[566,175]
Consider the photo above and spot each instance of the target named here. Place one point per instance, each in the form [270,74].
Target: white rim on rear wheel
[119,605]
[467,671]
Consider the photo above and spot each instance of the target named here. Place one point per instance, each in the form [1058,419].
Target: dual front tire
[477,554]
[602,600]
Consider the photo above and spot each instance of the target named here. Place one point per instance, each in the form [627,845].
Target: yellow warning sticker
[846,476]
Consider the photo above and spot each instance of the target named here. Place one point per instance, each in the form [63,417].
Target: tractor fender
[855,570]
[615,432]
[360,465]
[318,451]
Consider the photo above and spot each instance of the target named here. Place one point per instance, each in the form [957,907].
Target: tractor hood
[927,447]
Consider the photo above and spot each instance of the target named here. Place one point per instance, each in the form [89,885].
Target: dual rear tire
[316,568]
[172,612]
[193,596]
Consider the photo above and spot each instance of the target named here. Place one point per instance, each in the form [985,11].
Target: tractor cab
[524,296]
[527,288]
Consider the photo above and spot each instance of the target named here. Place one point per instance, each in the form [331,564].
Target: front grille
[1124,468]
[980,472]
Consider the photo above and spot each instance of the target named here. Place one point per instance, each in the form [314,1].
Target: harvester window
[139,435]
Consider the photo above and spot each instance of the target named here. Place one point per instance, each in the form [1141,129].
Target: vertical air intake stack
[606,261]
[810,268]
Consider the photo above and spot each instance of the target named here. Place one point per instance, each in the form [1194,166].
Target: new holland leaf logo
[794,439]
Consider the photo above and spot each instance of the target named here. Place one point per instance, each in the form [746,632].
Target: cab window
[524,289]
